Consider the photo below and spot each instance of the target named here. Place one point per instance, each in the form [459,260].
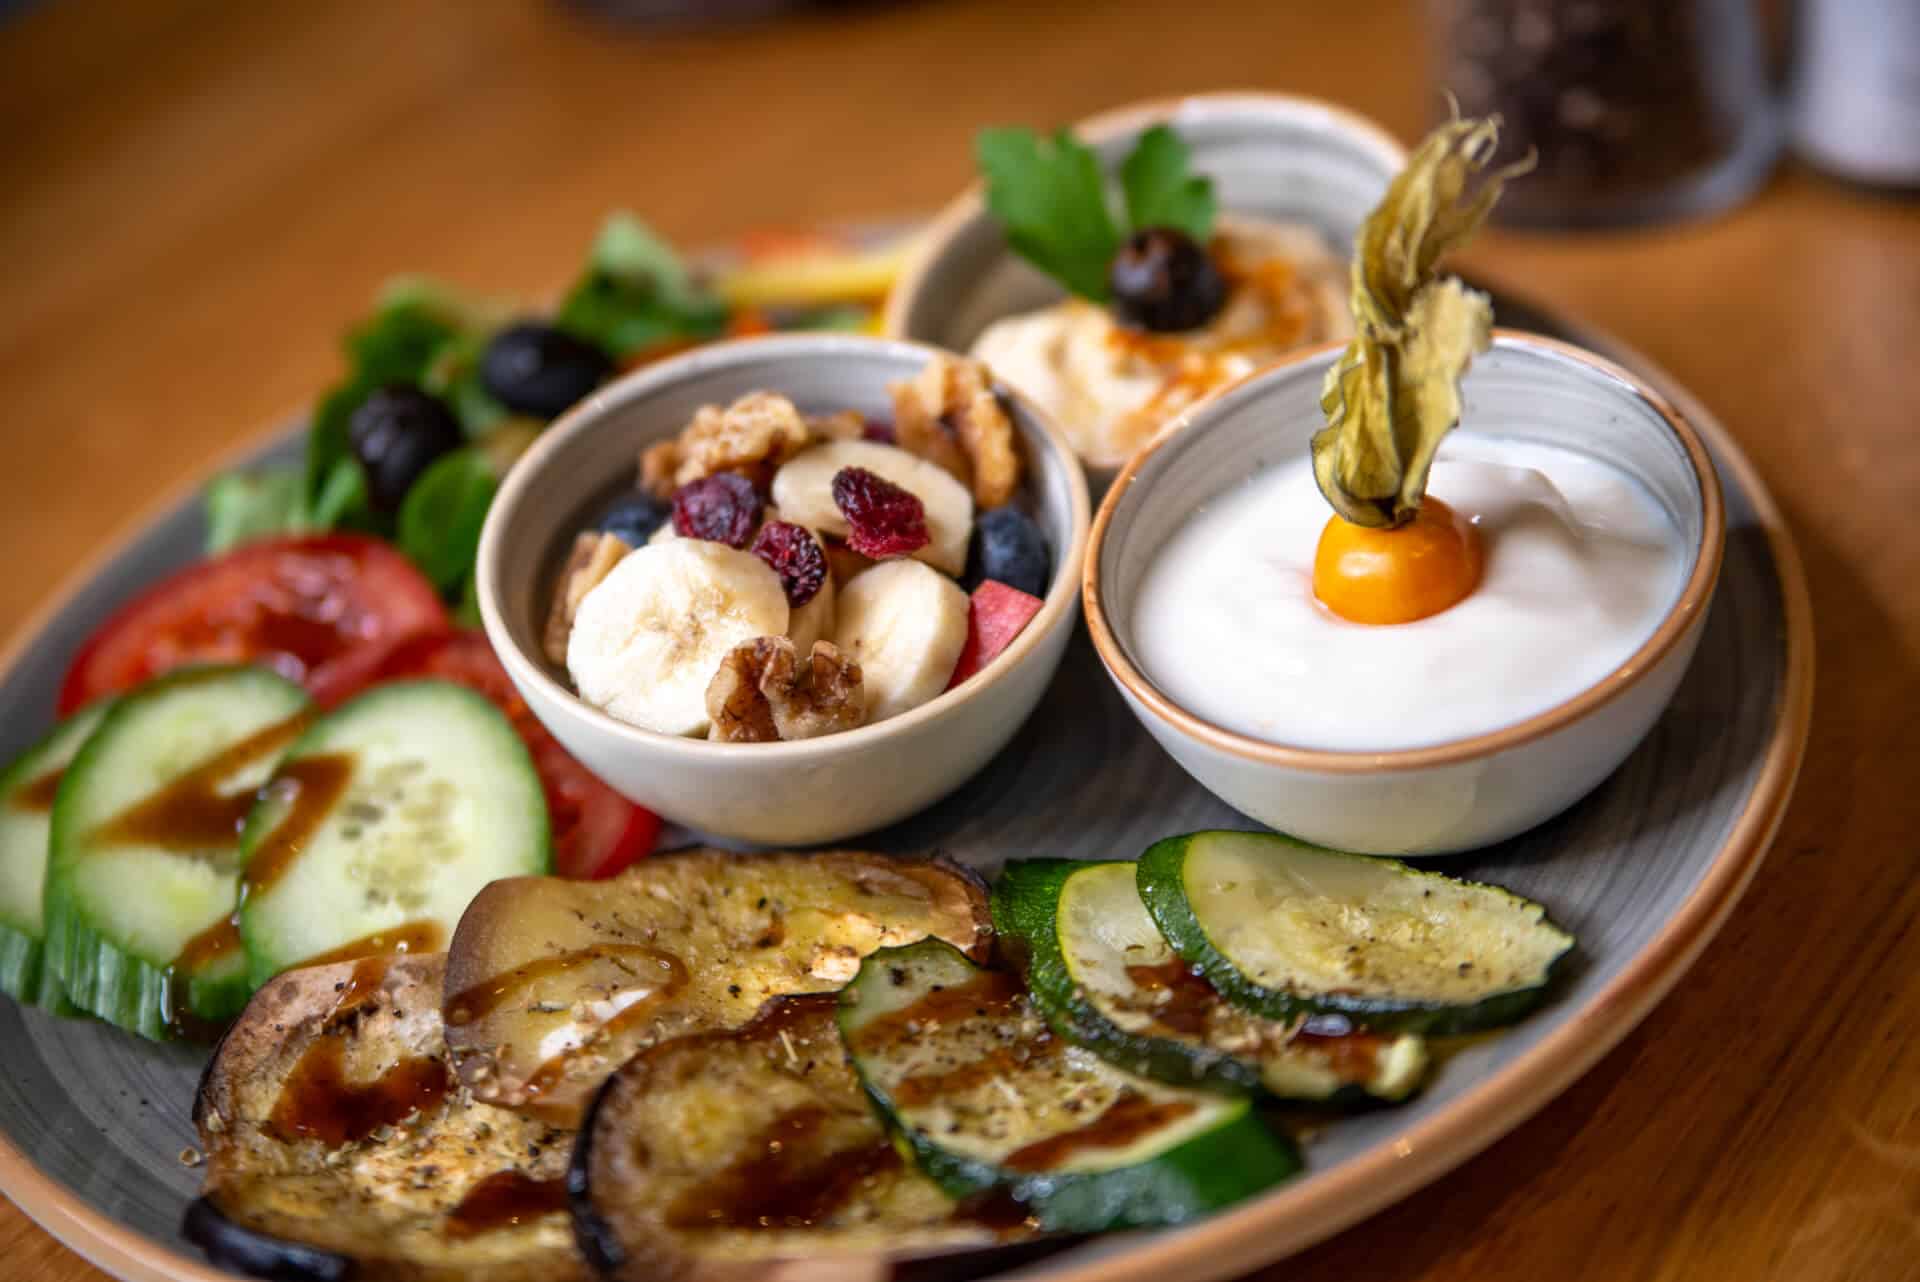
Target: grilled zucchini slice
[1101,973]
[553,984]
[963,1066]
[1285,929]
[338,1145]
[710,1157]
[27,789]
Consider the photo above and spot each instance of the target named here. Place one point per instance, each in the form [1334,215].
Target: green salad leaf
[454,376]
[466,612]
[343,499]
[1395,391]
[636,294]
[414,324]
[1051,198]
[244,506]
[440,519]
[1161,188]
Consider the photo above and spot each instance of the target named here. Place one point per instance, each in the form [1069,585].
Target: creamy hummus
[1111,388]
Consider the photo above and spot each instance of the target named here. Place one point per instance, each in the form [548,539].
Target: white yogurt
[1581,565]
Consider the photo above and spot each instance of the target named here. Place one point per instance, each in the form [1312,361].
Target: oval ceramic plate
[93,1121]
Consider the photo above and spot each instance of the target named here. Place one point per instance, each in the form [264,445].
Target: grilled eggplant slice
[1284,929]
[964,1067]
[735,1156]
[339,1144]
[553,984]
[1101,973]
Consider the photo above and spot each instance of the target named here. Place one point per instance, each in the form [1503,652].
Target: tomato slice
[302,606]
[596,831]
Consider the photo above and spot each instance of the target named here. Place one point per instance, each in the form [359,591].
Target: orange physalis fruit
[1401,574]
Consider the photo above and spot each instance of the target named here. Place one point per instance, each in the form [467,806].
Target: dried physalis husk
[1395,391]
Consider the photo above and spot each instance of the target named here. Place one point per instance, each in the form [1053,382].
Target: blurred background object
[1638,110]
[701,13]
[1856,89]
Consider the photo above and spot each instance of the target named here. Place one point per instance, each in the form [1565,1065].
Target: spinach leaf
[440,519]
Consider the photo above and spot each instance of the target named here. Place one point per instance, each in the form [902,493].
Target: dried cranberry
[722,508]
[796,556]
[877,430]
[883,520]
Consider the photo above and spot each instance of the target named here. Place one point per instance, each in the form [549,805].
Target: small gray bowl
[1274,156]
[812,790]
[1460,794]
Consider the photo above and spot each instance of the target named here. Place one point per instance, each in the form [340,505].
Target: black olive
[396,433]
[533,368]
[1163,280]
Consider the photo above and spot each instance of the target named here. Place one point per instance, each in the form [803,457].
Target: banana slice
[905,625]
[803,490]
[649,638]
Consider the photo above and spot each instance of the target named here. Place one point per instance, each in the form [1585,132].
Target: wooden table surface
[199,194]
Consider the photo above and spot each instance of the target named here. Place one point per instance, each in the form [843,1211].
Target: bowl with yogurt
[1594,525]
[1123,313]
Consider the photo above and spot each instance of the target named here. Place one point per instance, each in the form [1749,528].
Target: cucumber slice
[1284,929]
[383,823]
[962,1066]
[144,856]
[27,789]
[1104,977]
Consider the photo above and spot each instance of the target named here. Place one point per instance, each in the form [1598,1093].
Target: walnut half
[764,691]
[592,559]
[752,436]
[948,413]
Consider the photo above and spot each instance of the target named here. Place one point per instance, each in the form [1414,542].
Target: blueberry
[634,518]
[1164,280]
[396,433]
[1008,546]
[533,368]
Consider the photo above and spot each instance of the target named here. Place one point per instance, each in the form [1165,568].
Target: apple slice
[997,615]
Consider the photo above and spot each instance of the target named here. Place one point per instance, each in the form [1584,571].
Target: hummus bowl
[1314,169]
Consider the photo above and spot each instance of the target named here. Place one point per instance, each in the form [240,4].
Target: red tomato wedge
[596,831]
[997,614]
[302,606]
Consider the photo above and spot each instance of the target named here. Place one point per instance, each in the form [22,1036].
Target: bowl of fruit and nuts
[788,589]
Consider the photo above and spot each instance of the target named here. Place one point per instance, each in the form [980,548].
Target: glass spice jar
[1638,110]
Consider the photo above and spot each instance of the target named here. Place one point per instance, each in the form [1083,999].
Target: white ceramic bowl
[799,793]
[1452,796]
[1275,156]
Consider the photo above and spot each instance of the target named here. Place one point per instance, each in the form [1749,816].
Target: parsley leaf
[1052,200]
[1161,188]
